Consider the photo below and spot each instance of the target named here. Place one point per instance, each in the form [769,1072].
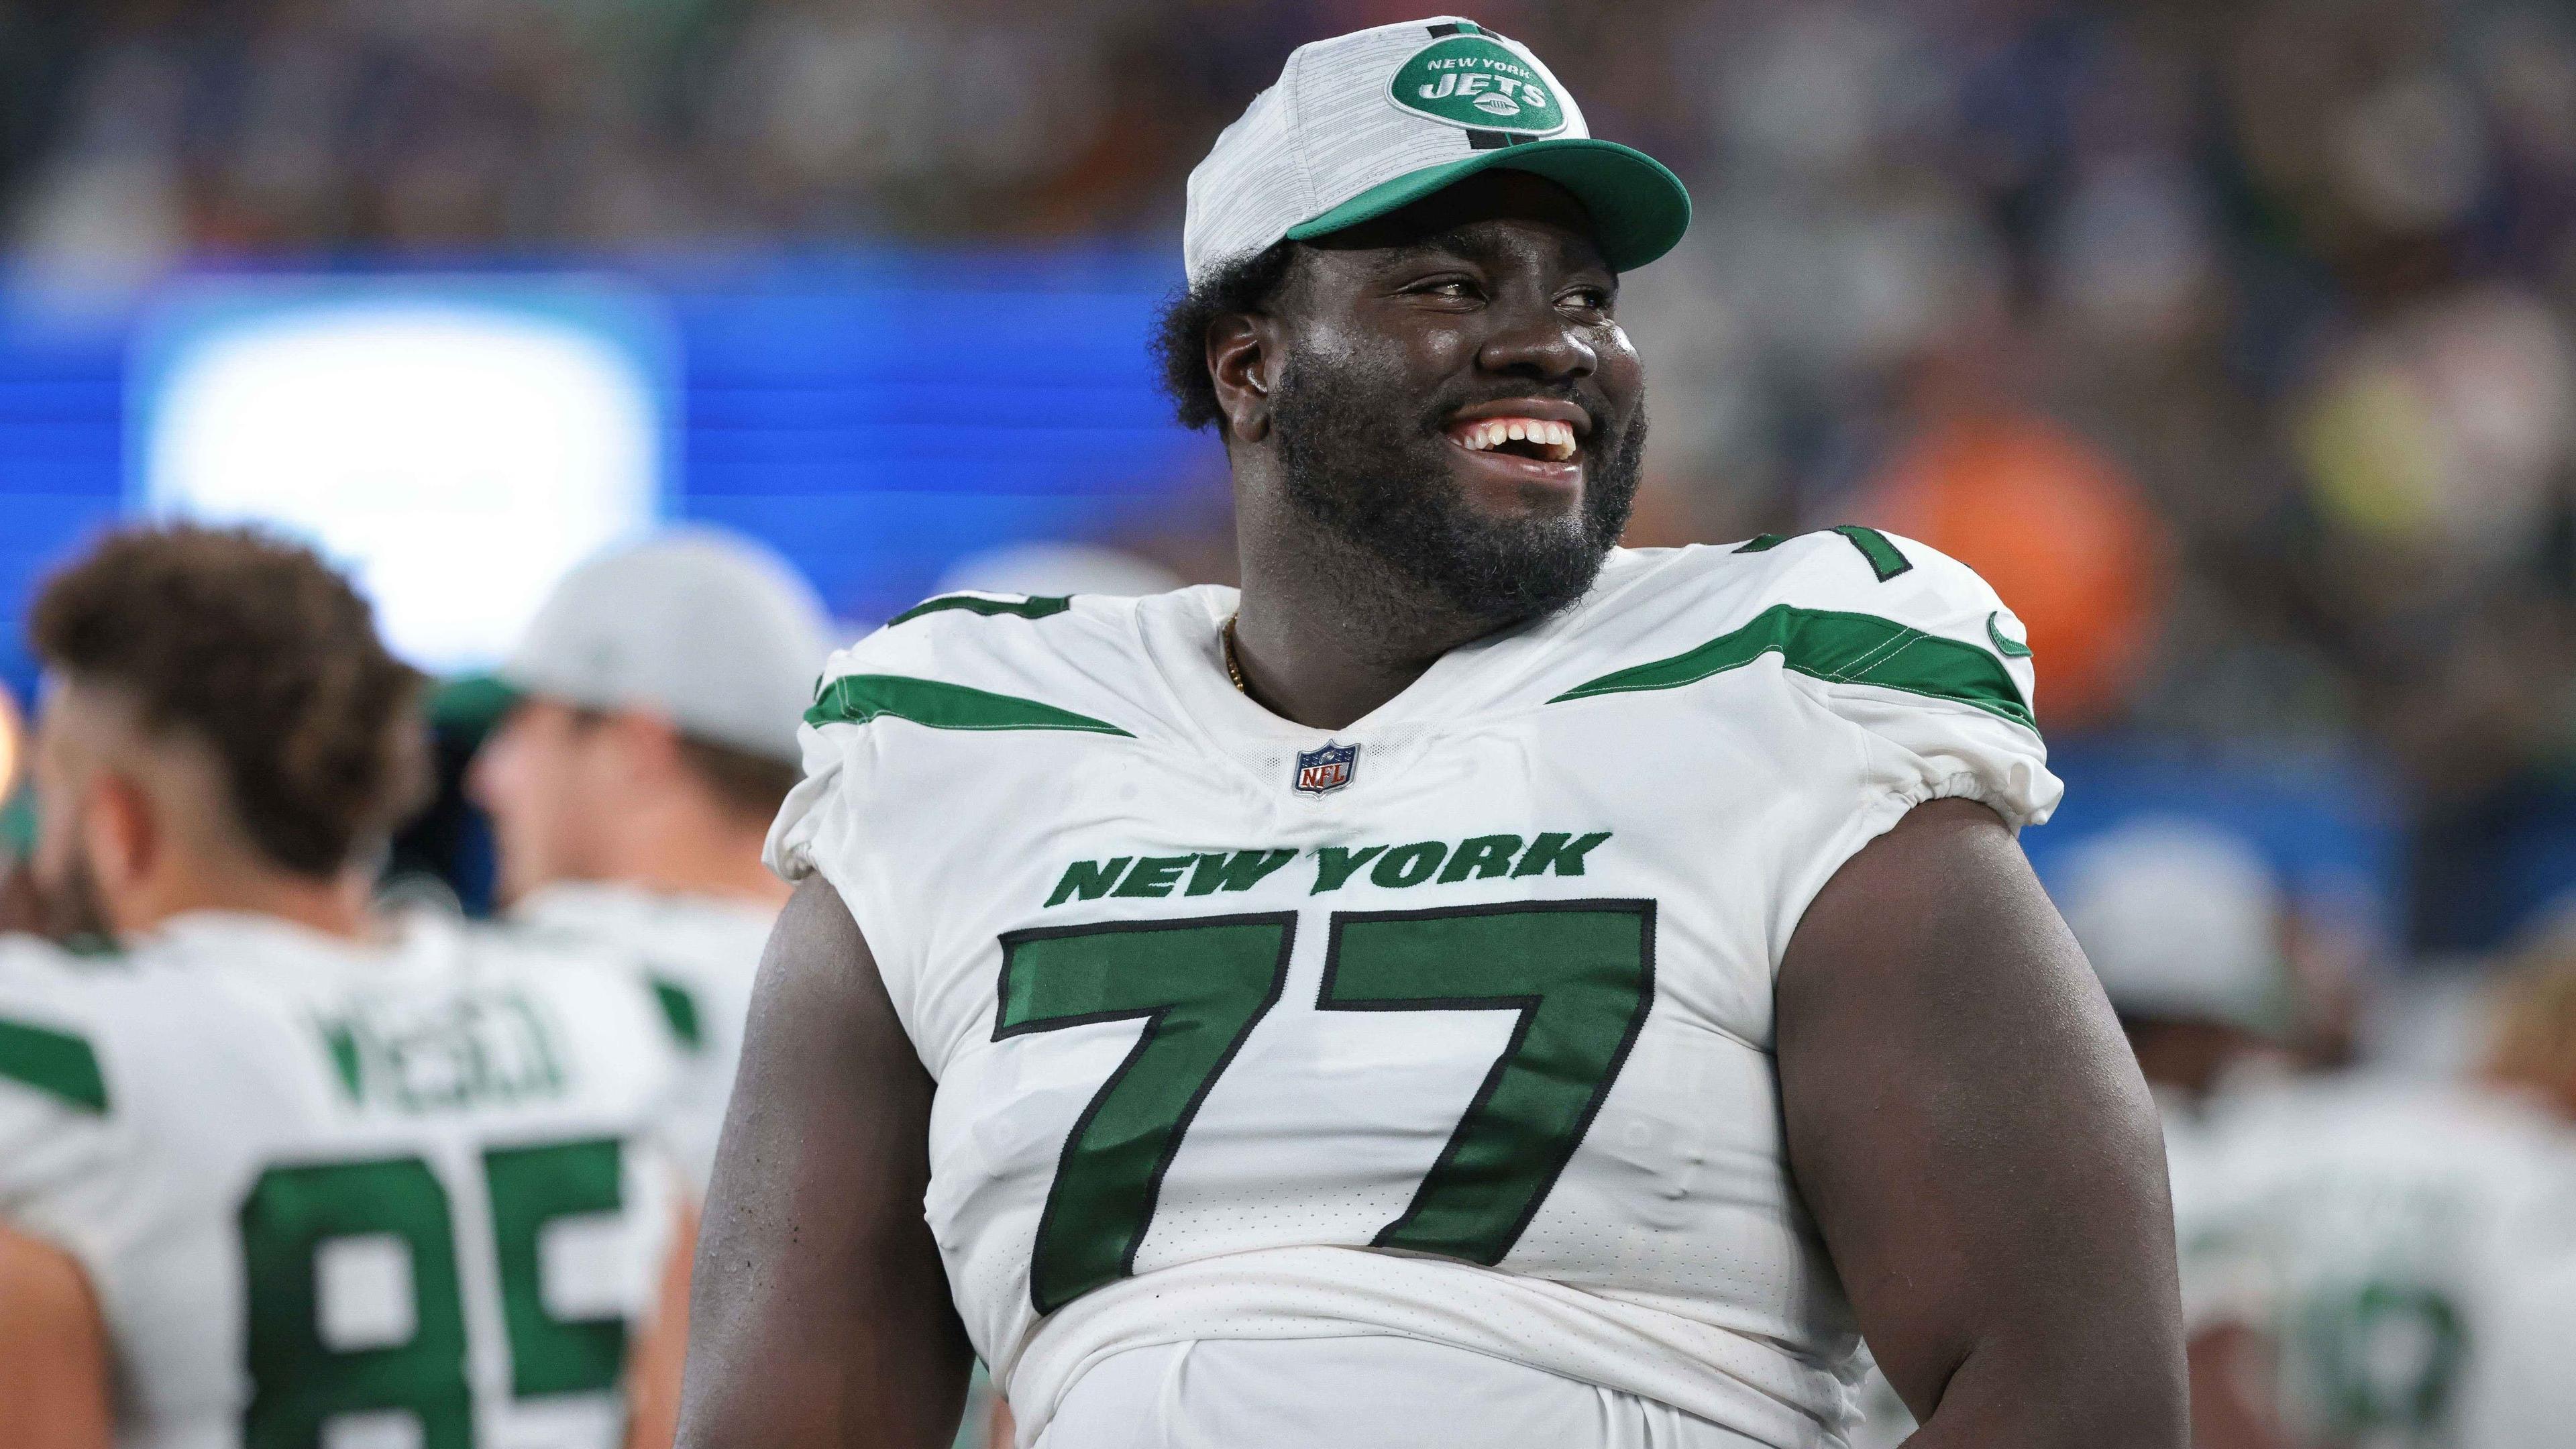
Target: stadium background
[2232,341]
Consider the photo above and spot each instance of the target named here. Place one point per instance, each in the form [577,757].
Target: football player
[649,738]
[2389,1260]
[1473,985]
[277,1173]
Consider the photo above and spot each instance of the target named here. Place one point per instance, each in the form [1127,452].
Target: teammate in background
[2520,1393]
[2373,1248]
[292,1176]
[2185,923]
[2352,1249]
[651,740]
[1475,985]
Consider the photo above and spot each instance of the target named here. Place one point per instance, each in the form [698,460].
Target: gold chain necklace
[1233,665]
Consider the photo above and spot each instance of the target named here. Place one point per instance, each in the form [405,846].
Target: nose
[1532,339]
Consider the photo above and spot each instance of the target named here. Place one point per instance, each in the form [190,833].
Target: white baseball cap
[1365,123]
[703,628]
[2182,920]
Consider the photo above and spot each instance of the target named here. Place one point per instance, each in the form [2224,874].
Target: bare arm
[821,1315]
[53,1351]
[1978,1149]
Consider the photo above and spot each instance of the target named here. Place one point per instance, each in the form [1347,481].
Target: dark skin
[1963,1120]
[820,1313]
[1495,281]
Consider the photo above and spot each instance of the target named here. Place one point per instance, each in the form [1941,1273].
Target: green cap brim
[1639,207]
[471,704]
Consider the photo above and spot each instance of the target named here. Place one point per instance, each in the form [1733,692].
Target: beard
[1381,482]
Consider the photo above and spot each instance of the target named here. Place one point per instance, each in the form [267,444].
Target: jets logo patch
[1321,772]
[1476,81]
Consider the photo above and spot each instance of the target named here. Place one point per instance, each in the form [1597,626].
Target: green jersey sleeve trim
[1036,606]
[56,1063]
[1885,559]
[859,698]
[1838,648]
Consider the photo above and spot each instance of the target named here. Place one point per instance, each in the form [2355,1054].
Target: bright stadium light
[457,448]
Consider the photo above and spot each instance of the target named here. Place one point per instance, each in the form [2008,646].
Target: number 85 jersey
[1454,1024]
[331,1193]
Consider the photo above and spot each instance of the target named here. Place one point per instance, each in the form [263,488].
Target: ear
[488,771]
[121,835]
[1243,352]
[647,746]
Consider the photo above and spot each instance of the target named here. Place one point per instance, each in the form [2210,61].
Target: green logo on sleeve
[1476,81]
[2005,644]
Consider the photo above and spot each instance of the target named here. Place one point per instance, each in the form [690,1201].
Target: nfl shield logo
[1321,772]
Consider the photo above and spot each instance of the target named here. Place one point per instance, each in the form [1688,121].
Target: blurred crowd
[2231,341]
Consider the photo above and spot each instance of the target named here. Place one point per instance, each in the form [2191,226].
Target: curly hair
[1247,284]
[256,647]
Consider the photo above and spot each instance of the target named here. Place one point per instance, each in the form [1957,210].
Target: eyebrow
[1456,241]
[1453,241]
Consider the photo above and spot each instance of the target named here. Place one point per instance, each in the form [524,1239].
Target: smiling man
[1475,985]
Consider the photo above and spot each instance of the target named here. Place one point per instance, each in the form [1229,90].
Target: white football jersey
[334,1194]
[698,954]
[2519,1394]
[2379,1235]
[1454,1024]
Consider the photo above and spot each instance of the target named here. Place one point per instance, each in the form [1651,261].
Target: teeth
[1555,440]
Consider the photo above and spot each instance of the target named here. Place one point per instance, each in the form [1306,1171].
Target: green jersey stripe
[859,698]
[1838,648]
[53,1062]
[1885,559]
[680,1012]
[1034,607]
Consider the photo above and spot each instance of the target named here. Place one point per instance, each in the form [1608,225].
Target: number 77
[1579,974]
